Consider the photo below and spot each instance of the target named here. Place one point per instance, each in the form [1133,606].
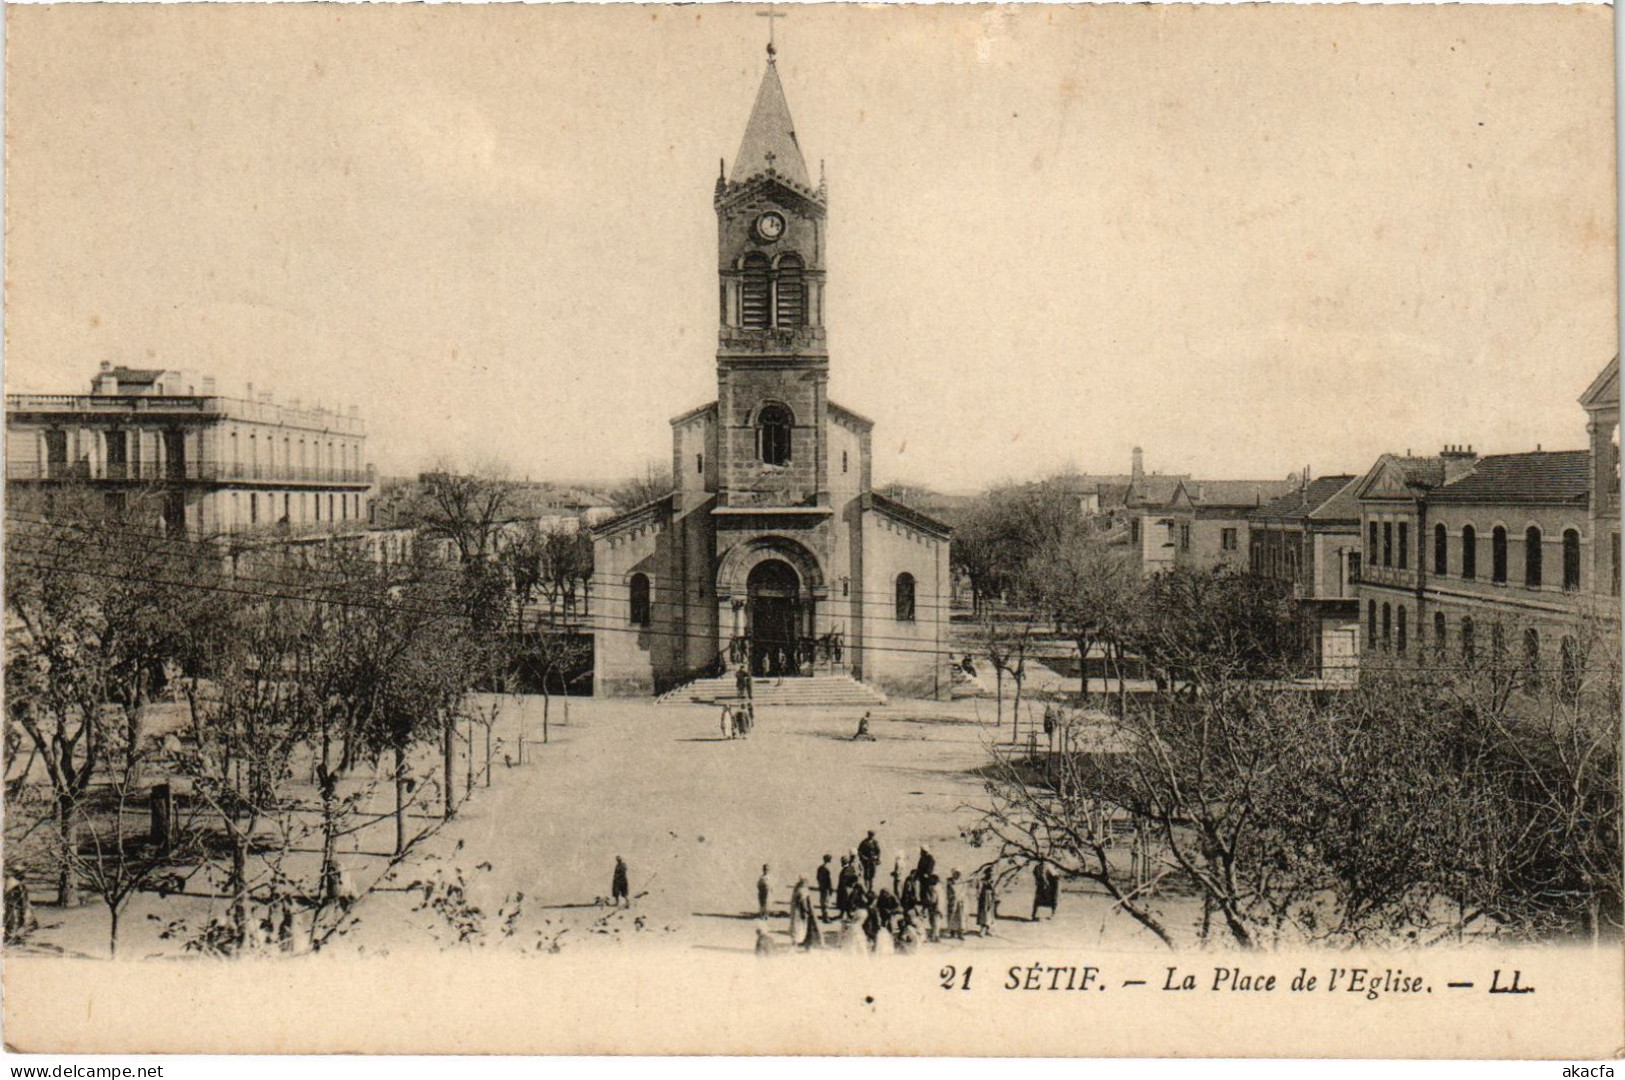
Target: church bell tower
[772,361]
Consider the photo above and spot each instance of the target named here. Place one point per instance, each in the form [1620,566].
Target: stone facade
[772,552]
[1509,555]
[224,466]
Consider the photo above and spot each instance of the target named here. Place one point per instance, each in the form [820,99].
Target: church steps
[836,690]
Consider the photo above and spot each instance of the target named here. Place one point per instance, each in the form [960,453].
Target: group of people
[738,720]
[917,907]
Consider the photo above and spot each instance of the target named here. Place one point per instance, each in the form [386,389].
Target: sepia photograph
[1065,530]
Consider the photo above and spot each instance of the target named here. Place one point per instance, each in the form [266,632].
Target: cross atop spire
[770,15]
[770,136]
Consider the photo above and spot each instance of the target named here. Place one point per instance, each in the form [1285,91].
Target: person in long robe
[911,892]
[618,888]
[927,864]
[1046,889]
[847,882]
[986,903]
[908,937]
[886,907]
[764,889]
[871,926]
[799,908]
[897,876]
[852,934]
[931,901]
[955,891]
[727,722]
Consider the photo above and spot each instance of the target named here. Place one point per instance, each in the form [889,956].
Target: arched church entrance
[777,618]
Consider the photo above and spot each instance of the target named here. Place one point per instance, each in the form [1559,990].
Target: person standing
[869,856]
[799,908]
[1046,889]
[956,907]
[986,903]
[927,866]
[618,888]
[742,686]
[931,900]
[845,886]
[826,885]
[727,721]
[897,876]
[763,889]
[911,892]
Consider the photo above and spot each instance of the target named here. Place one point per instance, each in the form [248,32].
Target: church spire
[770,137]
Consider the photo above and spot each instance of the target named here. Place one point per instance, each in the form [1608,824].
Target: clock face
[770,226]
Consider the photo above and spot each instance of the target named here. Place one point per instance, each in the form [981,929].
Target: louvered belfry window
[755,293]
[790,294]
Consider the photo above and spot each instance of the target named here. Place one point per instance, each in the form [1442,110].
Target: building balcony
[212,472]
[201,408]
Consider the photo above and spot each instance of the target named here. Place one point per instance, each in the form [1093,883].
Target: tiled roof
[1237,492]
[770,137]
[1298,505]
[1153,490]
[1550,476]
[906,514]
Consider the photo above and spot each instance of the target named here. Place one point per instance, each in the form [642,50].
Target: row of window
[1388,629]
[642,609]
[262,506]
[1381,548]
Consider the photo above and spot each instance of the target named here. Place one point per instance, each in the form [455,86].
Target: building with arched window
[1502,526]
[773,552]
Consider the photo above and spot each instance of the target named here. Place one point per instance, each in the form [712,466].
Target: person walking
[869,857]
[763,889]
[618,888]
[826,885]
[742,686]
[987,901]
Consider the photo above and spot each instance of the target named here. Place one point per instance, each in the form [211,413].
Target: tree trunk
[468,788]
[448,740]
[329,790]
[238,885]
[547,700]
[998,697]
[1083,671]
[400,800]
[488,755]
[112,930]
[66,895]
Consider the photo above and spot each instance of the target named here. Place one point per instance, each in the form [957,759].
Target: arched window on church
[789,293]
[755,293]
[773,435]
[905,597]
[641,610]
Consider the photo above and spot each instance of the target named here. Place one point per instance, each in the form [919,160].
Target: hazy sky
[1244,238]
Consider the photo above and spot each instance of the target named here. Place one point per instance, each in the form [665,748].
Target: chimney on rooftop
[1138,468]
[1459,461]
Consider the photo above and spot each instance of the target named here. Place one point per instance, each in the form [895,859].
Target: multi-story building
[1309,540]
[1195,524]
[218,465]
[1501,556]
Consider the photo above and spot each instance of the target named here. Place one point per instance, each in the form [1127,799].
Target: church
[772,553]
